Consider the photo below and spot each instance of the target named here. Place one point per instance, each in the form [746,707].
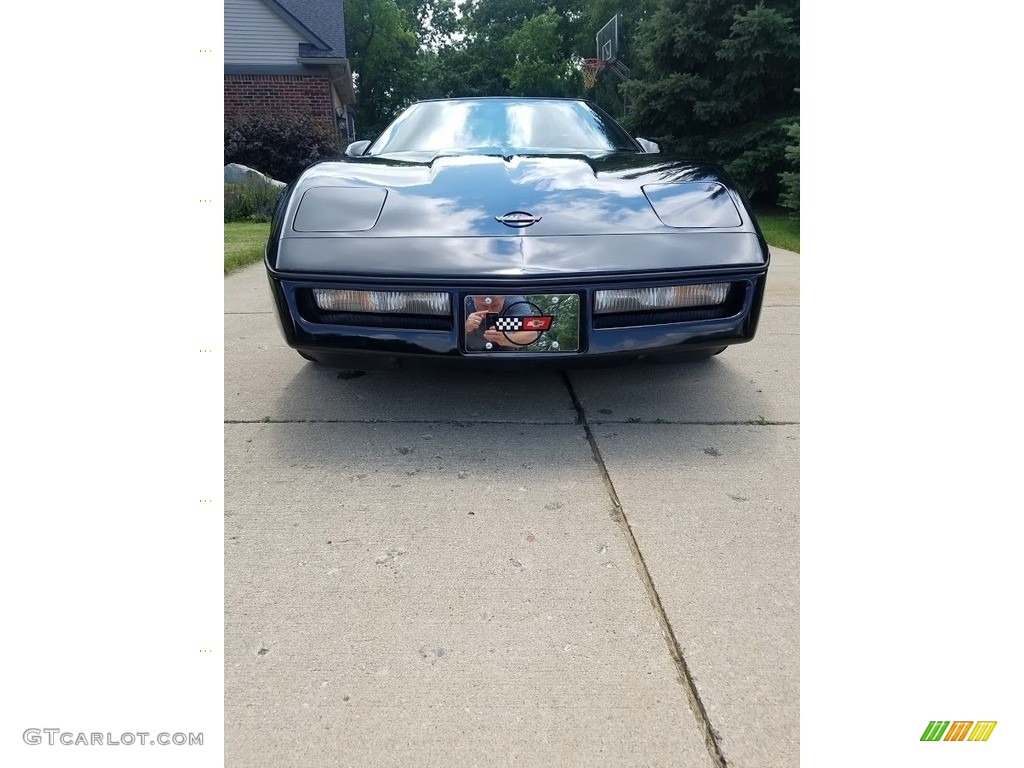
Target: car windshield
[502,127]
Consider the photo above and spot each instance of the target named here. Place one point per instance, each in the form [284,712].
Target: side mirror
[648,146]
[357,148]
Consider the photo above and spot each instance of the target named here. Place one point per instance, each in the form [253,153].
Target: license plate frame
[535,323]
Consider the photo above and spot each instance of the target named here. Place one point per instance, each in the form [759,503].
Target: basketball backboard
[608,40]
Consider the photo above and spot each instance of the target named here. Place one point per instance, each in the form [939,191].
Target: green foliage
[506,47]
[753,153]
[279,146]
[791,179]
[435,22]
[717,80]
[382,46]
[442,73]
[459,70]
[566,328]
[249,201]
[539,68]
[488,54]
[495,21]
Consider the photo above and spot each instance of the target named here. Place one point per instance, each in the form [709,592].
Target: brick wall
[307,95]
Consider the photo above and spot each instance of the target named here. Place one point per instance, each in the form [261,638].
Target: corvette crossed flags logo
[531,323]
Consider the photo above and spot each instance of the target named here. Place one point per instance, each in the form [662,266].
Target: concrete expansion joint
[675,650]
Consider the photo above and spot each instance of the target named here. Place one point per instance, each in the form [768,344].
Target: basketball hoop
[590,69]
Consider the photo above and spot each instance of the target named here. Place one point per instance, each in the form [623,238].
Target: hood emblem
[518,219]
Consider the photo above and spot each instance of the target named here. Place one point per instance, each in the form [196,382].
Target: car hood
[463,195]
[437,202]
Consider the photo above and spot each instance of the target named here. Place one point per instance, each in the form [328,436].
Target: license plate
[536,322]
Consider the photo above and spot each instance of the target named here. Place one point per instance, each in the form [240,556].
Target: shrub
[280,146]
[251,201]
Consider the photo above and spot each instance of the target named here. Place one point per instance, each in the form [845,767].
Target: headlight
[405,302]
[667,297]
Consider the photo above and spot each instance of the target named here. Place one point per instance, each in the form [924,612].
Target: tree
[436,22]
[382,48]
[487,55]
[718,82]
[539,67]
[791,179]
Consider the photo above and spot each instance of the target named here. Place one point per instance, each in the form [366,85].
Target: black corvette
[512,232]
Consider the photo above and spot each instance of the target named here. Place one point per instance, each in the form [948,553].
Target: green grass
[781,228]
[243,244]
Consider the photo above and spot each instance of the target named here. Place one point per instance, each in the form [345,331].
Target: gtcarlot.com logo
[961,730]
[54,736]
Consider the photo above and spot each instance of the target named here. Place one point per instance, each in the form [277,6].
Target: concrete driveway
[419,571]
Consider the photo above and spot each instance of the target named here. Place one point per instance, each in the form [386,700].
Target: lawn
[781,228]
[243,244]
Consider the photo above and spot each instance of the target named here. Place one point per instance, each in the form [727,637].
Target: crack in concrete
[675,651]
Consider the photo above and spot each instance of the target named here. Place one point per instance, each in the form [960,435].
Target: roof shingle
[325,19]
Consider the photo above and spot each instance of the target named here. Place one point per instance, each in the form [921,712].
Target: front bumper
[657,336]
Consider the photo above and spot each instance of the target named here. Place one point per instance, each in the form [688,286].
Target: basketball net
[590,69]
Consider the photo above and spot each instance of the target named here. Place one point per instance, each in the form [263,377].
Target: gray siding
[254,34]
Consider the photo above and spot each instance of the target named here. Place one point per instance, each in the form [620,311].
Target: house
[288,57]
